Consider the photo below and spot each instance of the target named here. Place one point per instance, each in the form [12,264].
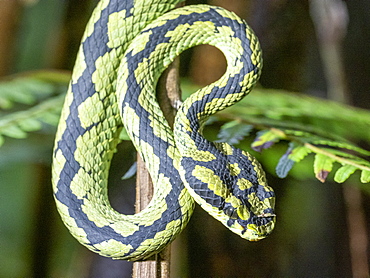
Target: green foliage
[30,88]
[266,138]
[295,111]
[234,131]
[310,125]
[302,144]
[29,101]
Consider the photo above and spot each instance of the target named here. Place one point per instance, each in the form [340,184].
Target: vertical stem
[357,231]
[9,14]
[330,18]
[168,94]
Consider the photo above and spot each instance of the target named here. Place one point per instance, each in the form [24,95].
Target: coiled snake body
[126,46]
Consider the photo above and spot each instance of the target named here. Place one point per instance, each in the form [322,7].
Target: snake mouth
[261,227]
[252,235]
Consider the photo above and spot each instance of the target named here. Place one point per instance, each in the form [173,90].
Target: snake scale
[126,46]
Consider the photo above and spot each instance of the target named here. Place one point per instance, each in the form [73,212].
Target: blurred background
[320,48]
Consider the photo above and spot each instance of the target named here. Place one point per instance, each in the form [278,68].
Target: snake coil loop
[125,48]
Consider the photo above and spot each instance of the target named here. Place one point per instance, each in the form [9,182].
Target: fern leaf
[285,110]
[285,163]
[18,124]
[365,176]
[52,116]
[342,145]
[14,132]
[322,166]
[299,152]
[30,88]
[341,153]
[233,132]
[30,125]
[266,139]
[294,154]
[344,173]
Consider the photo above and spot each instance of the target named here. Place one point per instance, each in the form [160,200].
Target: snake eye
[231,212]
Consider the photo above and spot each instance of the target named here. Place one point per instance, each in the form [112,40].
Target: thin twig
[168,95]
[336,158]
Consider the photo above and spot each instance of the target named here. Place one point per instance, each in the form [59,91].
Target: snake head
[233,189]
[243,220]
[249,206]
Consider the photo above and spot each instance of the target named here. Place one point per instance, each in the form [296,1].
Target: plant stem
[335,157]
[9,13]
[168,95]
[330,18]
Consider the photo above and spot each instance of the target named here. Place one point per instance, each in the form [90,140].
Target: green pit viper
[126,46]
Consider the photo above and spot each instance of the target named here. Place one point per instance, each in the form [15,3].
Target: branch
[168,95]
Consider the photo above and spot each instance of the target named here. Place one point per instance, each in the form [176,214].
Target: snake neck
[226,180]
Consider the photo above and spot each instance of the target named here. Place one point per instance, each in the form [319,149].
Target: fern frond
[294,111]
[311,125]
[32,87]
[350,163]
[327,151]
[322,166]
[266,138]
[29,101]
[18,124]
[234,131]
[365,176]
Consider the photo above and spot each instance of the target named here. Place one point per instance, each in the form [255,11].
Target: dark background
[311,239]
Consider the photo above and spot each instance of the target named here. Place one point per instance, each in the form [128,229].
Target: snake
[126,46]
